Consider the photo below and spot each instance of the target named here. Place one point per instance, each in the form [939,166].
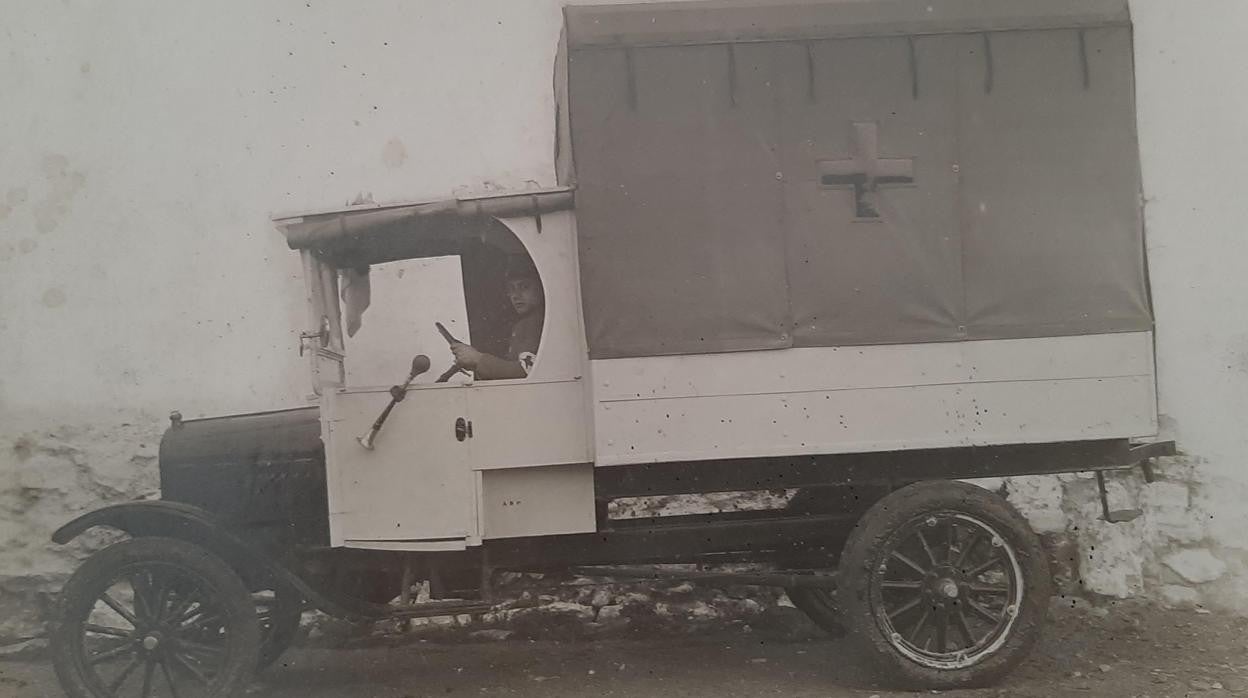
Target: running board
[790,579]
[430,609]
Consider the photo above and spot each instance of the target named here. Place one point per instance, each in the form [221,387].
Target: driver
[524,291]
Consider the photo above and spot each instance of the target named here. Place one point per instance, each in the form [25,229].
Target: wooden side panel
[416,483]
[537,501]
[844,400]
[516,424]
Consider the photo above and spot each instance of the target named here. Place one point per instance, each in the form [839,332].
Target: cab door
[542,419]
[414,489]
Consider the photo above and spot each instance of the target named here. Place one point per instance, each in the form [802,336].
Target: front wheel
[279,612]
[944,585]
[155,617]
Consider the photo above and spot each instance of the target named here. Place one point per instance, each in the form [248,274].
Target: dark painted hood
[280,434]
[263,472]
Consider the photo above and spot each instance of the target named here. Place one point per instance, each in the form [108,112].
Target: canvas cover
[756,175]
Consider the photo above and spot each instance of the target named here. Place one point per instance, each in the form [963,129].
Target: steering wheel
[450,340]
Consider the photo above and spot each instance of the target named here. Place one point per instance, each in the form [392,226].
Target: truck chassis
[939,579]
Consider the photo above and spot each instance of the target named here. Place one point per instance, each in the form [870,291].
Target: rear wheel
[820,604]
[944,585]
[155,617]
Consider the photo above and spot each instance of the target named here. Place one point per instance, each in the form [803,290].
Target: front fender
[199,527]
[146,518]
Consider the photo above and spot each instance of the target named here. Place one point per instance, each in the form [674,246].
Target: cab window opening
[486,291]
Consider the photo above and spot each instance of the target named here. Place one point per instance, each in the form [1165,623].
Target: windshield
[489,297]
[406,299]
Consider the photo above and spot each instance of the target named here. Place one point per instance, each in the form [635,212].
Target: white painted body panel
[562,354]
[875,398]
[531,422]
[537,501]
[416,483]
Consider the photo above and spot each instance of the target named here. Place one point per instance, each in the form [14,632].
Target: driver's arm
[491,367]
[486,366]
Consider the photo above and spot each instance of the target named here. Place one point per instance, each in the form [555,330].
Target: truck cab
[465,459]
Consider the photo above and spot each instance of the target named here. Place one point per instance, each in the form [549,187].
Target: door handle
[463,429]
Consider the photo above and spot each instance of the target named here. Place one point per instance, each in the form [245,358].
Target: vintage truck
[859,250]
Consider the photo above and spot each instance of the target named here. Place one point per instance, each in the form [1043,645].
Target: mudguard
[199,527]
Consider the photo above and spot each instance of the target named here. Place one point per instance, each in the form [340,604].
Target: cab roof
[371,233]
[736,21]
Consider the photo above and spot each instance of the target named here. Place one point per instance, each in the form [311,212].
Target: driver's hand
[466,357]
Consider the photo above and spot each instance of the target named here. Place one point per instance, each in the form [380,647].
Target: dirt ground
[1124,650]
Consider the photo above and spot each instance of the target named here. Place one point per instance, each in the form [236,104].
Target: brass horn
[420,364]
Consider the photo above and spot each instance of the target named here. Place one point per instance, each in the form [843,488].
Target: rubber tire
[283,627]
[862,555]
[820,604]
[83,588]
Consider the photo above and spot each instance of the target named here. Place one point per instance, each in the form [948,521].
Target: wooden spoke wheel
[152,617]
[948,602]
[945,585]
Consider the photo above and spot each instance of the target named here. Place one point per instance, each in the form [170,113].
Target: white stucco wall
[1194,146]
[144,144]
[1193,106]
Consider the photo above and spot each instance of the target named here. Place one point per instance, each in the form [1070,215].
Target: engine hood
[249,438]
[263,472]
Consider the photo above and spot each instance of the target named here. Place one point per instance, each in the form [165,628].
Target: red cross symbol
[866,171]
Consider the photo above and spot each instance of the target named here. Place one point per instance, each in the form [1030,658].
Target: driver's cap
[520,266]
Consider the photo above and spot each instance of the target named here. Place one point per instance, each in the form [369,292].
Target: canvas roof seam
[844,37]
[727,21]
[1083,59]
[989,68]
[914,67]
[784,226]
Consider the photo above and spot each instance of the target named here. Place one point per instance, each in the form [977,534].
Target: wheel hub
[152,641]
[944,585]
